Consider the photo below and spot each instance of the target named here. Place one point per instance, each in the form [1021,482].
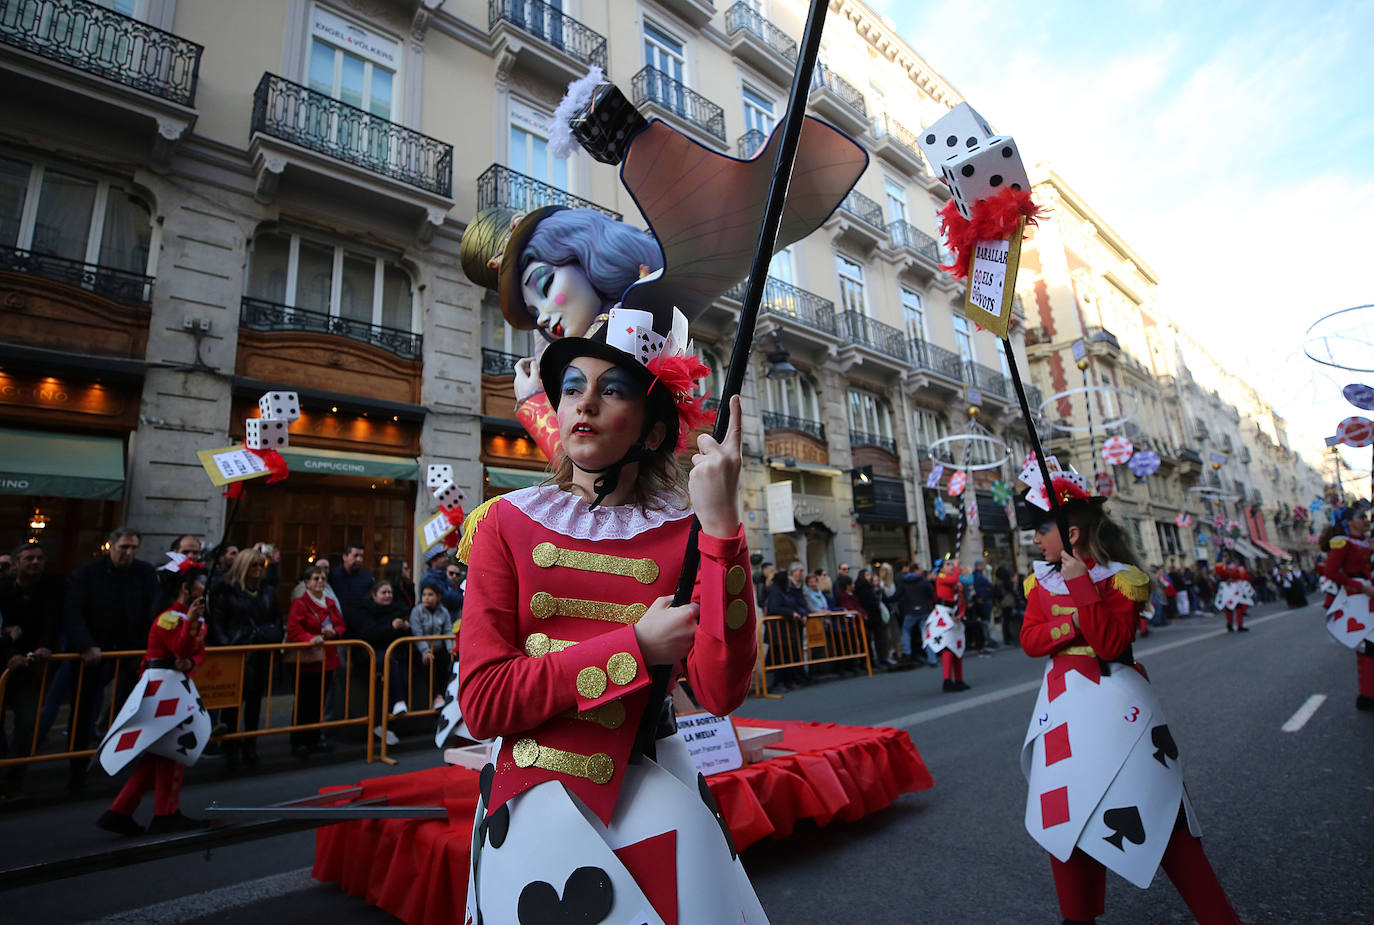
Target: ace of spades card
[1350,620]
[1131,826]
[187,739]
[160,702]
[1074,748]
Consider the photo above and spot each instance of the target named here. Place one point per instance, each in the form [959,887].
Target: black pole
[749,313]
[1059,517]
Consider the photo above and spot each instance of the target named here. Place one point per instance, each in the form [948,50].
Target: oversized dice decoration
[280,406]
[265,434]
[958,131]
[437,474]
[448,494]
[992,166]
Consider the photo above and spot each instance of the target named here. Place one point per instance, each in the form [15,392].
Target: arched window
[712,384]
[870,416]
[795,397]
[930,427]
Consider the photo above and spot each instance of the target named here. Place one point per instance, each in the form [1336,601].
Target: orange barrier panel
[838,635]
[411,655]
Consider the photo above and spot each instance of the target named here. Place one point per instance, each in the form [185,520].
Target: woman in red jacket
[313,618]
[1105,786]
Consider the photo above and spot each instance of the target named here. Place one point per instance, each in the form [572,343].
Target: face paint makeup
[574,379]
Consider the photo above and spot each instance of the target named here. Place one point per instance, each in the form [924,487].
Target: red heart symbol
[1338,614]
[1353,626]
[940,623]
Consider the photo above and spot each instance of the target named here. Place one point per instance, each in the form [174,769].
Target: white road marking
[911,720]
[187,908]
[1300,718]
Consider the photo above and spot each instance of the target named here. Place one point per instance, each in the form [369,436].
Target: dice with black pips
[266,434]
[436,474]
[448,494]
[984,170]
[280,406]
[952,135]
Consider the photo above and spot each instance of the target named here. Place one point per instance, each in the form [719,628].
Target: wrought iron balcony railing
[884,338]
[986,378]
[552,25]
[899,134]
[823,76]
[497,363]
[861,207]
[863,438]
[501,186]
[1038,334]
[743,16]
[773,421]
[650,85]
[260,315]
[99,41]
[1034,397]
[788,301]
[321,123]
[937,359]
[749,143]
[904,234]
[1098,335]
[119,286]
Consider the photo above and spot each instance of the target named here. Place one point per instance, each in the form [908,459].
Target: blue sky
[1229,143]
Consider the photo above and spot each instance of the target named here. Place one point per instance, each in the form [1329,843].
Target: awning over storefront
[511,479]
[61,465]
[1248,549]
[366,465]
[1270,548]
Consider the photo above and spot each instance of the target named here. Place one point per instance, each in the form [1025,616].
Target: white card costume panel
[545,834]
[1350,618]
[942,631]
[1246,592]
[1228,595]
[160,706]
[451,716]
[1107,741]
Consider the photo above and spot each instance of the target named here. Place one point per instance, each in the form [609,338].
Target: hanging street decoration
[1144,463]
[1106,485]
[937,472]
[1117,450]
[1353,431]
[1218,521]
[1001,492]
[940,510]
[1359,395]
[956,484]
[1184,520]
[1316,504]
[971,506]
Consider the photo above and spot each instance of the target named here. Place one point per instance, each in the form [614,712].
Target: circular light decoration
[1117,450]
[980,451]
[1121,401]
[1359,395]
[1144,463]
[1341,339]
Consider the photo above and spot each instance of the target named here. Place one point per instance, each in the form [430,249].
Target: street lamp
[779,366]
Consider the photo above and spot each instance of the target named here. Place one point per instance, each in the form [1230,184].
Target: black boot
[118,823]
[1364,703]
[174,822]
[949,687]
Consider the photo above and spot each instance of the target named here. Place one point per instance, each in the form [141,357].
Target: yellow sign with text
[992,282]
[220,679]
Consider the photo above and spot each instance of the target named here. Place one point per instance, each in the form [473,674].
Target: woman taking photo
[569,607]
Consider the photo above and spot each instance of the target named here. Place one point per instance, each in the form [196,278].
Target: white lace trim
[1052,580]
[566,513]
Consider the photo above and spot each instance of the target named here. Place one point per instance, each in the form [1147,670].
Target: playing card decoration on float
[1144,463]
[260,454]
[1116,450]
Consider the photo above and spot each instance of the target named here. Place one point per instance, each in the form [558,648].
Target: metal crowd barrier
[126,666]
[791,645]
[411,655]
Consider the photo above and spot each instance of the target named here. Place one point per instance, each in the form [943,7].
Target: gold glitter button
[1055,633]
[600,768]
[543,605]
[537,645]
[591,682]
[621,668]
[734,579]
[736,613]
[525,752]
[545,555]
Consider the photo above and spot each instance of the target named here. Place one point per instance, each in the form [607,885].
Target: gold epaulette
[168,619]
[469,529]
[1132,583]
[1029,585]
[1337,542]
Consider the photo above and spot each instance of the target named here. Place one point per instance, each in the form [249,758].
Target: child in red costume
[1081,614]
[944,630]
[176,640]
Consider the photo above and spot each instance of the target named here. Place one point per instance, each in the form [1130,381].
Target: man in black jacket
[31,613]
[110,605]
[918,600]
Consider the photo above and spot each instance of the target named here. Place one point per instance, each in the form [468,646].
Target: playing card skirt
[544,857]
[162,716]
[942,631]
[1228,595]
[1102,768]
[1350,619]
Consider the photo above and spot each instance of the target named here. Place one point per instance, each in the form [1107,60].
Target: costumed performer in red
[1350,610]
[944,628]
[163,723]
[1228,590]
[569,604]
[1105,785]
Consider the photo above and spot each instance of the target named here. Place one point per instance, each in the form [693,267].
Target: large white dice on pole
[958,131]
[265,434]
[280,406]
[437,474]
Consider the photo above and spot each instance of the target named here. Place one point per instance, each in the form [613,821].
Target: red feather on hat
[679,375]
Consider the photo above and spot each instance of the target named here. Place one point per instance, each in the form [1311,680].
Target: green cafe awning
[61,465]
[511,479]
[365,465]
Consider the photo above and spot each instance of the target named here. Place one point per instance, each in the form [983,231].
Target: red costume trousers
[162,775]
[1081,882]
[952,665]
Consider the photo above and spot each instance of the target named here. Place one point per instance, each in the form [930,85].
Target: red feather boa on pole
[993,219]
[277,469]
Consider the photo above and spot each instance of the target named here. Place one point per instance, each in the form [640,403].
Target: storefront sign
[798,448]
[220,679]
[780,508]
[711,741]
[338,31]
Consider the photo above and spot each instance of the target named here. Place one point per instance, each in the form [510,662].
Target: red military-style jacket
[550,660]
[1107,611]
[173,636]
[1347,564]
[947,590]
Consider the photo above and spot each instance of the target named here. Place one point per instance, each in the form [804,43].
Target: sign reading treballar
[992,281]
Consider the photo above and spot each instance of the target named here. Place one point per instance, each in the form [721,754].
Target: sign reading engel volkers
[338,31]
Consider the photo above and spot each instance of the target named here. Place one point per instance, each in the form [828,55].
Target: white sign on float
[988,281]
[780,508]
[712,742]
[238,463]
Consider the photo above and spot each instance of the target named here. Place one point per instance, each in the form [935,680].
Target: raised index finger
[733,433]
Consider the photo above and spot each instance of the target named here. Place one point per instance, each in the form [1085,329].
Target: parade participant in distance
[944,628]
[1245,594]
[162,723]
[568,608]
[1106,789]
[1348,611]
[1228,590]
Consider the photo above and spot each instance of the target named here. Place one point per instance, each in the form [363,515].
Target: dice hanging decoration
[263,439]
[280,406]
[1116,450]
[1144,463]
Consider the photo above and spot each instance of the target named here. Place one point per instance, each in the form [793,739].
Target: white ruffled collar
[1052,580]
[568,514]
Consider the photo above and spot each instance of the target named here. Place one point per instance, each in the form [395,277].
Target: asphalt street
[1288,814]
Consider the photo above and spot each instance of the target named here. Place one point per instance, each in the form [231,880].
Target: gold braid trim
[1337,542]
[469,529]
[1029,585]
[1132,583]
